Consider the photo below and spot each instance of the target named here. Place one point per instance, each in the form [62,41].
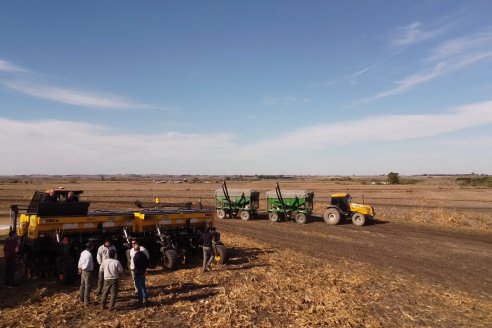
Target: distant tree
[393,178]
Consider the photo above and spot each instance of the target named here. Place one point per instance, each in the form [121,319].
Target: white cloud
[8,67]
[380,128]
[61,147]
[414,33]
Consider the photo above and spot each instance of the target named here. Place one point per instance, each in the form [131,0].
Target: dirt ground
[405,271]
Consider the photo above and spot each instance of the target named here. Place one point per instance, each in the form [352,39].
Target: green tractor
[290,204]
[233,202]
[341,208]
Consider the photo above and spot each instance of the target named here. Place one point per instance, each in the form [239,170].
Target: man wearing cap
[102,254]
[86,266]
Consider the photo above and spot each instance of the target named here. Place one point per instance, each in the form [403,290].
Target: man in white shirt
[86,266]
[132,265]
[102,254]
[111,269]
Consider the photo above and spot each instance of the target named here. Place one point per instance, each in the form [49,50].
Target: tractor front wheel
[221,214]
[273,217]
[332,216]
[170,259]
[301,218]
[358,219]
[245,215]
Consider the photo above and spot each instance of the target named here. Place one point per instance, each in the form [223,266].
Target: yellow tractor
[341,207]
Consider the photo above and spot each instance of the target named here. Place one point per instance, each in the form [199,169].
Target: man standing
[9,253]
[132,265]
[208,254]
[141,263]
[103,254]
[86,266]
[111,269]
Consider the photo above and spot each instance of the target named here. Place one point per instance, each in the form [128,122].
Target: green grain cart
[233,202]
[289,204]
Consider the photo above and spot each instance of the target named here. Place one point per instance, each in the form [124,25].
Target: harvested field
[420,266]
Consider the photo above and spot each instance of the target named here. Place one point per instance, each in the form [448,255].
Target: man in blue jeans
[141,263]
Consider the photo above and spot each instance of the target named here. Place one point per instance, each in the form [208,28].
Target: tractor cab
[57,202]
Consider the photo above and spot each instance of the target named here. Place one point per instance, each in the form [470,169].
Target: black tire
[358,219]
[220,254]
[245,215]
[301,218]
[170,259]
[332,216]
[273,216]
[221,214]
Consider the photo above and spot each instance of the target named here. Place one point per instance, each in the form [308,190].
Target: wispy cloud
[83,98]
[479,42]
[414,33]
[353,80]
[285,101]
[8,67]
[432,73]
[447,57]
[74,97]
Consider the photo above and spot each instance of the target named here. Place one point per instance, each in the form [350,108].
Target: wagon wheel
[358,219]
[245,215]
[332,216]
[301,218]
[221,214]
[273,217]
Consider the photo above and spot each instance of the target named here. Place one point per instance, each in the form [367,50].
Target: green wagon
[289,204]
[236,202]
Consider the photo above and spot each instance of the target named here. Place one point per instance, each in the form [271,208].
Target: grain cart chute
[53,233]
[289,204]
[341,207]
[171,234]
[233,202]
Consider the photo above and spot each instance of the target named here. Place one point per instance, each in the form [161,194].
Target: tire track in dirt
[461,260]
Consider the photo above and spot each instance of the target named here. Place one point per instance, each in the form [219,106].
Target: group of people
[52,197]
[110,270]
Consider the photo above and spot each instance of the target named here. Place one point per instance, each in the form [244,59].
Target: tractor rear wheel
[273,217]
[358,219]
[221,214]
[170,259]
[245,215]
[220,254]
[332,216]
[301,218]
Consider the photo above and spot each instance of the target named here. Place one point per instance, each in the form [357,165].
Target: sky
[246,87]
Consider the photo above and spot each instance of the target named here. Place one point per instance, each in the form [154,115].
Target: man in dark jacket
[141,263]
[9,253]
[208,253]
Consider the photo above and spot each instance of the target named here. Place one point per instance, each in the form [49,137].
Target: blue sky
[252,87]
